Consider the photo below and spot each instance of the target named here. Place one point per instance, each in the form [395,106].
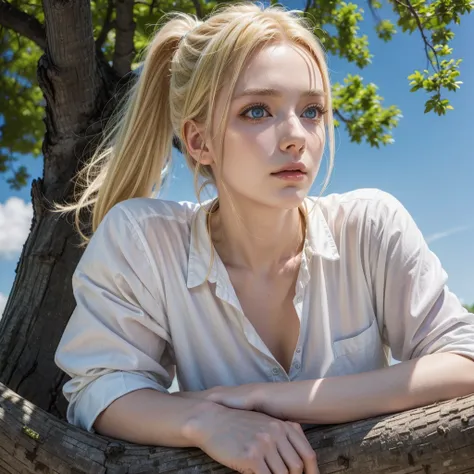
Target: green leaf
[336,23]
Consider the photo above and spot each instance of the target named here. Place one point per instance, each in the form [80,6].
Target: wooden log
[436,439]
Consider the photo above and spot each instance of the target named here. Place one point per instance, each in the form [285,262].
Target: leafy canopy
[358,106]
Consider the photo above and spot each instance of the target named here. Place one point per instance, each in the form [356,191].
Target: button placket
[296,363]
[275,374]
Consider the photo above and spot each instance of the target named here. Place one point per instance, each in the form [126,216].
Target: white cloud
[3,302]
[15,219]
[441,235]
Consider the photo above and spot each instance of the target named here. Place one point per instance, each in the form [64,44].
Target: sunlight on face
[276,118]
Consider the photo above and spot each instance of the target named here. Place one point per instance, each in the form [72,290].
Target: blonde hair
[184,69]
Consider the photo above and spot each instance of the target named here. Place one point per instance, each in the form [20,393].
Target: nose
[293,137]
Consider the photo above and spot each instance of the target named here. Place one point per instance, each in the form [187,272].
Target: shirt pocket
[360,353]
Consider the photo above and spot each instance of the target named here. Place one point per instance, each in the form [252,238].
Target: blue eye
[257,112]
[314,110]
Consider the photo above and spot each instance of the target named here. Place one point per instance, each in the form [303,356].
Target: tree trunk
[38,310]
[436,439]
[76,86]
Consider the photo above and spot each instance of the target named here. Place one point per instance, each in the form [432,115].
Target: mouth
[290,174]
[291,168]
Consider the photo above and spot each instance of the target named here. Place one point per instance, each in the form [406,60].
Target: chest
[268,306]
[223,332]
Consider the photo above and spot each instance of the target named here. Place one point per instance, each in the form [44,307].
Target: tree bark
[124,33]
[436,439]
[77,87]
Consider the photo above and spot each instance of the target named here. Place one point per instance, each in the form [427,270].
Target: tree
[357,105]
[83,55]
[433,440]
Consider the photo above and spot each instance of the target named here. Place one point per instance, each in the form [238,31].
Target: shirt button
[276,370]
[298,350]
[297,365]
[299,299]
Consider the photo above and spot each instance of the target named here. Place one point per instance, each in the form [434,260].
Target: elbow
[460,372]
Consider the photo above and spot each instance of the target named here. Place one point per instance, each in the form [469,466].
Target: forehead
[282,66]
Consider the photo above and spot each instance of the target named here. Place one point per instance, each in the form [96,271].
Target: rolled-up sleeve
[117,339]
[420,314]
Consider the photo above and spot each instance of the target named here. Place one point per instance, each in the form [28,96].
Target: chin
[291,198]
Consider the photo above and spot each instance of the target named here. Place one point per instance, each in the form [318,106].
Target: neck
[256,238]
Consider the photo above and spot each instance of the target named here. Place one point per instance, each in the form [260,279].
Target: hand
[251,442]
[241,397]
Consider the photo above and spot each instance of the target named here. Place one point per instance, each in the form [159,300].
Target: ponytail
[137,142]
[186,64]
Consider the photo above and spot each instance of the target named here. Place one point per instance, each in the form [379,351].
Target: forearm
[392,389]
[149,417]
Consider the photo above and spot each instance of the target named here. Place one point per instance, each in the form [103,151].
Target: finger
[275,462]
[300,443]
[261,467]
[290,456]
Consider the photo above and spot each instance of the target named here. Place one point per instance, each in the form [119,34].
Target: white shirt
[367,282]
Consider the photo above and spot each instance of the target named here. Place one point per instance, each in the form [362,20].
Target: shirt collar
[319,238]
[319,241]
[199,261]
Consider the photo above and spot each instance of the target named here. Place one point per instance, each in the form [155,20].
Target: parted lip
[292,167]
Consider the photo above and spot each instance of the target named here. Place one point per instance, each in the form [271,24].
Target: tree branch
[22,23]
[108,25]
[425,439]
[125,30]
[427,44]
[373,11]
[152,6]
[308,5]
[341,117]
[197,6]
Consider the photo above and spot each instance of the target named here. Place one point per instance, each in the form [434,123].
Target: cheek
[249,140]
[317,139]
[322,134]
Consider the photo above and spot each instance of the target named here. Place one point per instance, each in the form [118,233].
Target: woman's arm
[403,386]
[345,398]
[150,417]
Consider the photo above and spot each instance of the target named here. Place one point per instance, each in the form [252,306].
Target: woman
[264,283]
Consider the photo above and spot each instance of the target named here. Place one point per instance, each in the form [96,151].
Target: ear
[196,144]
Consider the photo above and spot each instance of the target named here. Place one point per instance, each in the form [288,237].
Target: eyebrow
[276,93]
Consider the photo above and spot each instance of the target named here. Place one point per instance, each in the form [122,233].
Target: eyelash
[319,107]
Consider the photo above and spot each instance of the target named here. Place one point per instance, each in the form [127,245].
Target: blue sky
[429,168]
